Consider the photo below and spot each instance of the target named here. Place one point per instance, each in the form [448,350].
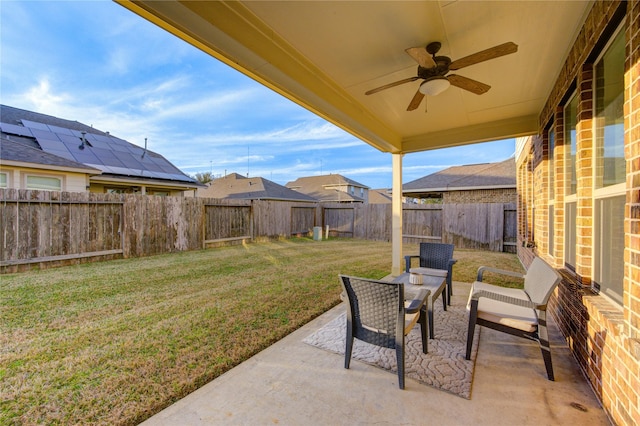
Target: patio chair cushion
[429,271]
[513,316]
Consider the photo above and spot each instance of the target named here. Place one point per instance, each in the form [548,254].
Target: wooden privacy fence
[42,227]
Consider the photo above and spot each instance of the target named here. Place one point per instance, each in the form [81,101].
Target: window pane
[570,235]
[3,180]
[609,264]
[570,120]
[550,228]
[610,115]
[43,182]
[551,137]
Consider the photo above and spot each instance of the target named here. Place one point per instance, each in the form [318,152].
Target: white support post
[396,215]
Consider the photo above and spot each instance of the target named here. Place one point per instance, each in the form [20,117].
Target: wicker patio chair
[435,256]
[378,314]
[518,312]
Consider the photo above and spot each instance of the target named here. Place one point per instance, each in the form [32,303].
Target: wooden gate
[340,220]
[479,226]
[303,219]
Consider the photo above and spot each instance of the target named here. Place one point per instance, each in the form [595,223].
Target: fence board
[478,226]
[340,218]
[223,220]
[422,223]
[9,225]
[377,219]
[303,219]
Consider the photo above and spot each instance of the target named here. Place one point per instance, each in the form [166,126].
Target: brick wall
[603,336]
[507,195]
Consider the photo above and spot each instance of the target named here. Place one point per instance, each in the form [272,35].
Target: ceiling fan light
[434,86]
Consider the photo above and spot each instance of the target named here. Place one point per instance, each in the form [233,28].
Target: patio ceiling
[325,55]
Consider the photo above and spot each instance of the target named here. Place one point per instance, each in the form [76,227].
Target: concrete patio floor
[292,383]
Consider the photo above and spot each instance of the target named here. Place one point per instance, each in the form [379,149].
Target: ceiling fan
[434,69]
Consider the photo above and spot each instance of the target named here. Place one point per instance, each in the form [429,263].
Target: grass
[115,342]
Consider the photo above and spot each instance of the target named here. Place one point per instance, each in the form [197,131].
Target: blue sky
[97,63]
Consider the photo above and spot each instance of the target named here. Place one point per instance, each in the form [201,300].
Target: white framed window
[610,170]
[45,183]
[4,181]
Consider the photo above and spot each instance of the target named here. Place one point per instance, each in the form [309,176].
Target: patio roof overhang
[326,55]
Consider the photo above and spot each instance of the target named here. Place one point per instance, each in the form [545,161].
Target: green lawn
[115,342]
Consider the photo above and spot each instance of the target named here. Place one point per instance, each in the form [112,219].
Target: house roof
[473,176]
[84,144]
[326,187]
[379,196]
[17,153]
[254,188]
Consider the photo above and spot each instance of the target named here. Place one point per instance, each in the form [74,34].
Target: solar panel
[74,140]
[34,125]
[100,144]
[44,134]
[49,145]
[85,156]
[104,154]
[62,153]
[107,153]
[59,130]
[15,130]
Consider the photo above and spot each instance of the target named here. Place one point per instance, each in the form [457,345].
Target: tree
[203,177]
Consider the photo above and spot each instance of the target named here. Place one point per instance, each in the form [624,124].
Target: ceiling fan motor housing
[441,68]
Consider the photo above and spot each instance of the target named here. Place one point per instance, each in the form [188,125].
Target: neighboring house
[475,183]
[255,188]
[379,196]
[331,189]
[50,145]
[24,166]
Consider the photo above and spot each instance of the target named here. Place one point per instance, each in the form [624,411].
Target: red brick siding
[604,337]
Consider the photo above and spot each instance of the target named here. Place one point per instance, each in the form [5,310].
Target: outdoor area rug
[444,367]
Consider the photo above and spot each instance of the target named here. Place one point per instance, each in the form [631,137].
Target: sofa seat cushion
[509,315]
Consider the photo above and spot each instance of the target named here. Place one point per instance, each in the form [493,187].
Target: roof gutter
[149,182]
[460,188]
[51,167]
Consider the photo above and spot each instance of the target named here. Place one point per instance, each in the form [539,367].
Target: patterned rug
[444,367]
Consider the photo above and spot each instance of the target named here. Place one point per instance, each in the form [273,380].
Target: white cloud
[42,98]
[322,136]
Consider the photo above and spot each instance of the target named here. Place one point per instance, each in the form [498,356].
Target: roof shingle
[486,176]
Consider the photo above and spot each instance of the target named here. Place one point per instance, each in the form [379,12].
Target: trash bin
[317,233]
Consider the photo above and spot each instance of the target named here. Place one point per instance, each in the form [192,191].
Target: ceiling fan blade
[421,56]
[415,102]
[485,55]
[394,84]
[466,83]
